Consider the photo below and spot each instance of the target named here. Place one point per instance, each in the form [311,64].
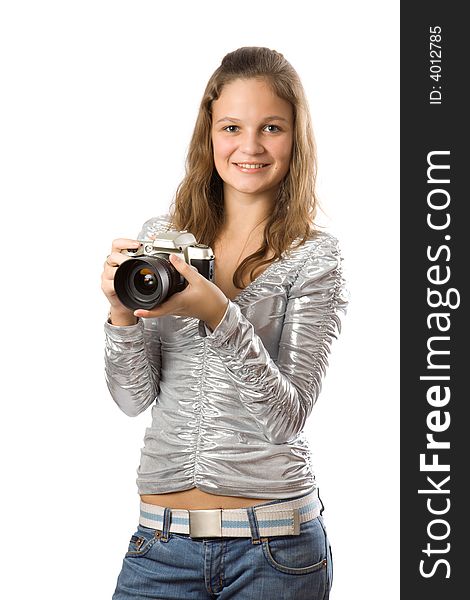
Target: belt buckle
[205,523]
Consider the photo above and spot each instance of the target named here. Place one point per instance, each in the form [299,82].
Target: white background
[98,103]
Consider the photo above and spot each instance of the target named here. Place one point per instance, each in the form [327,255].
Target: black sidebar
[435,356]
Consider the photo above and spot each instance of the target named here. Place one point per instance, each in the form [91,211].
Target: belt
[273,518]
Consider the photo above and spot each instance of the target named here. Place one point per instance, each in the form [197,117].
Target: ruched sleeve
[133,352]
[281,394]
[132,365]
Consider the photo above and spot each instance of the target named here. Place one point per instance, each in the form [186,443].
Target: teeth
[247,166]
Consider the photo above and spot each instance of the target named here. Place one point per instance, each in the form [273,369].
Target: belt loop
[253,525]
[166,525]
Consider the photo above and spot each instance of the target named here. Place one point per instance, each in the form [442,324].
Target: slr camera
[148,278]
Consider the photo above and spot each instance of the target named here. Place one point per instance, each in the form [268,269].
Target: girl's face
[252,136]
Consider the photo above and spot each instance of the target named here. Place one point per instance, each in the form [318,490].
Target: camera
[148,278]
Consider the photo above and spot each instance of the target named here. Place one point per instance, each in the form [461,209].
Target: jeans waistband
[261,520]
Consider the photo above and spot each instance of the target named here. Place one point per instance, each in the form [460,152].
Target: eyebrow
[269,118]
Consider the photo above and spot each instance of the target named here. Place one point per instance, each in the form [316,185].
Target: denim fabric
[170,566]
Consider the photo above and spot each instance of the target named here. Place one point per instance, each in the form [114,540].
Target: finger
[124,244]
[161,311]
[116,258]
[112,262]
[172,306]
[109,272]
[190,273]
[147,314]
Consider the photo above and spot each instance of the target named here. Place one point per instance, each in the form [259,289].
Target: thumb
[187,271]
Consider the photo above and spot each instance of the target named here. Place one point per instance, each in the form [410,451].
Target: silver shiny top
[229,406]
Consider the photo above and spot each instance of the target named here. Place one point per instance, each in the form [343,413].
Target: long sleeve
[133,353]
[133,365]
[281,395]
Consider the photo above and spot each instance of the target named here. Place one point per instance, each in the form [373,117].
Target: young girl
[232,368]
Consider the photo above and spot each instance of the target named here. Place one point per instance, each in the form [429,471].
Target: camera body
[148,278]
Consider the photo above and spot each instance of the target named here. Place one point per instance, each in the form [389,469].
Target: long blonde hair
[199,204]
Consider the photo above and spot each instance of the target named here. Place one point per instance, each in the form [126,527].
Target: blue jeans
[169,566]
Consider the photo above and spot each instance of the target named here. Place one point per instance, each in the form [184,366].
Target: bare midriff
[196,499]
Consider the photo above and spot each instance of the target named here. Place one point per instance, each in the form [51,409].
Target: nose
[251,143]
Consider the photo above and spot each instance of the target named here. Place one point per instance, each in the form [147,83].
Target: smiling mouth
[253,166]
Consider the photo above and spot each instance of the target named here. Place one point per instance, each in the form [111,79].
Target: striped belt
[273,518]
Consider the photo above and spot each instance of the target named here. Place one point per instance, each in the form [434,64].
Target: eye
[231,128]
[272,128]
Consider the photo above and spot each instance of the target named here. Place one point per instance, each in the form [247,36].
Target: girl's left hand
[201,298]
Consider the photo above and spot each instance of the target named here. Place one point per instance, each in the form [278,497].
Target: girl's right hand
[119,314]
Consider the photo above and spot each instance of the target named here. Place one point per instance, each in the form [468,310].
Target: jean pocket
[331,566]
[329,556]
[298,554]
[141,541]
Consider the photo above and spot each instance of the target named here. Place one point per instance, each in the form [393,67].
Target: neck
[242,211]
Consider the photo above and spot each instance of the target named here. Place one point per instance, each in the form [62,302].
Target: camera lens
[146,282]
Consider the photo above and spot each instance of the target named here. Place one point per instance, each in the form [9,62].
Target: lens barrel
[146,282]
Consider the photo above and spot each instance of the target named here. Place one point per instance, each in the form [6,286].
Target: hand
[120,314]
[200,299]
